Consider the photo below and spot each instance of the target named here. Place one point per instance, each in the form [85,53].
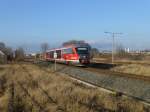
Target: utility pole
[55,57]
[113,43]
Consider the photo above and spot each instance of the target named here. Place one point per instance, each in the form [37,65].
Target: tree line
[10,54]
[19,53]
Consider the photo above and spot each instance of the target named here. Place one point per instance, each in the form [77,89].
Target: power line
[113,42]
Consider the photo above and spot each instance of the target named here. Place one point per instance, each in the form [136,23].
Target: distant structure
[127,50]
[106,52]
[30,55]
[3,57]
[1,53]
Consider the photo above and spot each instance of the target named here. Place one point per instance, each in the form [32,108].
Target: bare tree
[2,58]
[19,54]
[94,52]
[76,42]
[44,47]
[70,42]
[120,51]
[7,51]
[2,46]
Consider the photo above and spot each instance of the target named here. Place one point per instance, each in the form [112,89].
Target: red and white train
[70,55]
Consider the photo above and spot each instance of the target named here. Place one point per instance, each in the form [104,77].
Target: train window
[68,51]
[48,54]
[58,53]
[82,50]
[51,54]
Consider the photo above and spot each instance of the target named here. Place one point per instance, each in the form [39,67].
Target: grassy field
[30,88]
[138,69]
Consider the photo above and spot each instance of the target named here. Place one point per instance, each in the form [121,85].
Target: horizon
[32,22]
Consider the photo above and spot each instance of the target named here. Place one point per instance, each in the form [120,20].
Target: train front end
[83,55]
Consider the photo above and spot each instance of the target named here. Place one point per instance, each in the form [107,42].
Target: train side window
[51,54]
[68,51]
[58,53]
[47,54]
[63,51]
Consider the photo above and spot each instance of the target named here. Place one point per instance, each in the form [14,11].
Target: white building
[127,50]
[2,57]
[1,53]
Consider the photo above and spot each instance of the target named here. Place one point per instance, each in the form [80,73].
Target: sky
[29,23]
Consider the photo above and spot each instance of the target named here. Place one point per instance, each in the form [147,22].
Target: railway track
[29,76]
[103,68]
[108,72]
[35,102]
[108,90]
[128,85]
[61,70]
[120,84]
[14,84]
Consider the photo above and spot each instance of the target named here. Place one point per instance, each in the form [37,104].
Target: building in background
[3,58]
[127,50]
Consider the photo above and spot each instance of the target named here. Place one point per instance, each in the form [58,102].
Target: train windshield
[82,50]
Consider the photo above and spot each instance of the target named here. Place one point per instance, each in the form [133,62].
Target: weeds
[3,82]
[57,93]
[133,69]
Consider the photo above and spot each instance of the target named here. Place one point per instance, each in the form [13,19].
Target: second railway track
[103,69]
[108,72]
[132,86]
[44,92]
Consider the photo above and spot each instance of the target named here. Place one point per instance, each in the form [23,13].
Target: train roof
[68,46]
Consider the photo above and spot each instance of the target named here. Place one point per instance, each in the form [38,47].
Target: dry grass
[58,93]
[138,69]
